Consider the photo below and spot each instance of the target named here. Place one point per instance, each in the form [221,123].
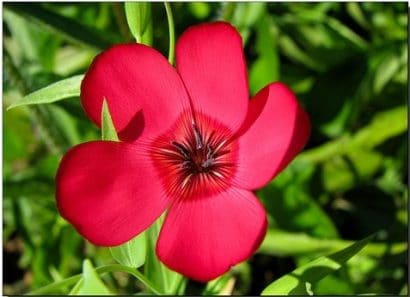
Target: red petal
[144,92]
[108,191]
[275,130]
[203,238]
[210,59]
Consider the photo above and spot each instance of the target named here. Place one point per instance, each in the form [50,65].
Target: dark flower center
[196,156]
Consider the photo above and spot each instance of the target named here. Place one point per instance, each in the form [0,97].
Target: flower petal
[275,130]
[210,60]
[204,237]
[143,91]
[108,191]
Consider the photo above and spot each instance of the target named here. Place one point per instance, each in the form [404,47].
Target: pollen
[196,157]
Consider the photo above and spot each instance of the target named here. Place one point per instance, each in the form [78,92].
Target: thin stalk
[100,270]
[171,29]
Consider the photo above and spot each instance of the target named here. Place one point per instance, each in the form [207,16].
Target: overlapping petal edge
[192,144]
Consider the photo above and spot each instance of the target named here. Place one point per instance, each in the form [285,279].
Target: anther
[207,163]
[209,151]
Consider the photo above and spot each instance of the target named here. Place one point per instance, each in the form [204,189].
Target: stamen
[220,145]
[182,149]
[186,164]
[197,160]
[198,137]
[209,152]
[185,181]
[215,172]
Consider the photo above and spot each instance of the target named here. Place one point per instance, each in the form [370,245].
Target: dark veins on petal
[196,157]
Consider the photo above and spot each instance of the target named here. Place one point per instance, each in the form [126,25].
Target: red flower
[192,144]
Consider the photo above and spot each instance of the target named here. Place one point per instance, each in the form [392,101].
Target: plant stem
[171,32]
[100,270]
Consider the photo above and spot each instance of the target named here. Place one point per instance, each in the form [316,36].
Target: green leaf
[280,243]
[138,18]
[64,124]
[20,31]
[266,67]
[107,126]
[385,72]
[341,172]
[300,280]
[132,253]
[289,48]
[384,125]
[63,89]
[354,10]
[90,283]
[168,280]
[215,286]
[345,32]
[69,28]
[289,196]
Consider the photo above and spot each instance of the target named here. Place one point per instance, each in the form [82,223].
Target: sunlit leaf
[138,17]
[132,253]
[63,89]
[354,10]
[301,280]
[283,244]
[90,283]
[340,173]
[383,126]
[199,9]
[385,72]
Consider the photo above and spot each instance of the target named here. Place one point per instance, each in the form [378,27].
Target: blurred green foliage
[347,62]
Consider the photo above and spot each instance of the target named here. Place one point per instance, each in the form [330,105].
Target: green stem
[171,32]
[100,270]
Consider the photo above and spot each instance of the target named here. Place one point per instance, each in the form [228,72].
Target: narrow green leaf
[385,72]
[346,32]
[107,126]
[138,17]
[69,28]
[300,280]
[384,125]
[90,284]
[284,244]
[63,89]
[132,253]
[295,53]
[19,29]
[354,10]
[76,288]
